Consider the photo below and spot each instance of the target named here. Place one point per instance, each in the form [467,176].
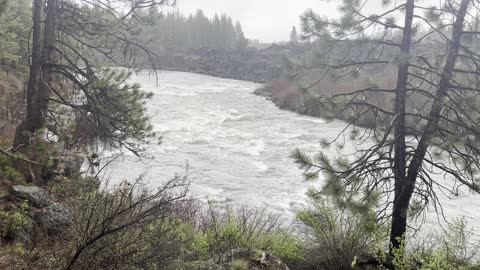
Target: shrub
[451,249]
[12,221]
[335,235]
[239,265]
[223,233]
[124,227]
[457,244]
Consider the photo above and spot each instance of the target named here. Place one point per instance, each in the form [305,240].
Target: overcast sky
[266,20]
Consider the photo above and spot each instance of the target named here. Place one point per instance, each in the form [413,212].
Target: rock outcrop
[43,213]
[53,219]
[35,196]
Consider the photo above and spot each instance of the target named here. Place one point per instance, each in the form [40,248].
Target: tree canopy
[294,36]
[69,88]
[175,32]
[424,140]
[15,23]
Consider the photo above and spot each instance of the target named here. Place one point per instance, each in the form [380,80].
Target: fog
[266,20]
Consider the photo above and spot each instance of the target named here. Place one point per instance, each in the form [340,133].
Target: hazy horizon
[265,20]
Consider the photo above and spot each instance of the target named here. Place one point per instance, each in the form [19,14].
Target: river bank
[238,145]
[251,64]
[289,96]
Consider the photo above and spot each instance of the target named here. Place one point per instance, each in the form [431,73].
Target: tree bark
[406,188]
[400,159]
[38,88]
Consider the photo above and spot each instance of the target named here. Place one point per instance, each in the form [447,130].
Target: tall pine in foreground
[71,43]
[414,150]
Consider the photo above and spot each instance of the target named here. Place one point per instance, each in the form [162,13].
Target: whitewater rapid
[237,145]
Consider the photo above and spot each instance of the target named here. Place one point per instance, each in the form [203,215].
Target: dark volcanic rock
[54,219]
[50,217]
[36,196]
[250,64]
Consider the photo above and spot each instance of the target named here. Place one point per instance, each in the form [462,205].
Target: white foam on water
[238,145]
[262,167]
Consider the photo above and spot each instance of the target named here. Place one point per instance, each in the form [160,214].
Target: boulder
[54,219]
[36,196]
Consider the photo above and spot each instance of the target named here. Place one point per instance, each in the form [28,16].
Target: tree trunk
[399,221]
[404,194]
[38,88]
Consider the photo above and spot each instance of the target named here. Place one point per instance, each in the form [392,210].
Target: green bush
[451,249]
[222,233]
[334,236]
[239,265]
[12,221]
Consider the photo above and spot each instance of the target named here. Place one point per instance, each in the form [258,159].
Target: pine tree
[294,36]
[241,43]
[177,33]
[14,25]
[440,76]
[72,42]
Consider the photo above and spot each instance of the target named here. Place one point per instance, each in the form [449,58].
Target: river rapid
[237,146]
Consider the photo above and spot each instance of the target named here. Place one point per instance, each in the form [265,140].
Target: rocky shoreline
[256,65]
[287,95]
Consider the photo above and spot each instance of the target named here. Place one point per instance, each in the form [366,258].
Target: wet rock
[36,196]
[54,219]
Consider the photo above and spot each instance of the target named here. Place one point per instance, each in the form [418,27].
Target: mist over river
[237,145]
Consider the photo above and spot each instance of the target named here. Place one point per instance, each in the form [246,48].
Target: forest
[174,32]
[404,82]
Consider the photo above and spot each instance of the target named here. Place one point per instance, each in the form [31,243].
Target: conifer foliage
[72,42]
[176,32]
[427,142]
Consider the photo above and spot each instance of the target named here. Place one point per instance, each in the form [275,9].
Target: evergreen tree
[14,27]
[174,32]
[72,42]
[399,170]
[241,43]
[294,36]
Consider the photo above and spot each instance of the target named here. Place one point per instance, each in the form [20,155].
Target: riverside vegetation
[52,216]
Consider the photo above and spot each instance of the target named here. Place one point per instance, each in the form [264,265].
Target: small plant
[451,249]
[223,232]
[238,265]
[12,221]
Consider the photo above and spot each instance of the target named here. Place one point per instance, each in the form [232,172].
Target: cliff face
[250,64]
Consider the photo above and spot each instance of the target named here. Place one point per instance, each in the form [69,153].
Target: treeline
[14,30]
[176,32]
[15,24]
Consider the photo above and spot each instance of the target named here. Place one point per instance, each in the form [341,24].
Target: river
[237,145]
